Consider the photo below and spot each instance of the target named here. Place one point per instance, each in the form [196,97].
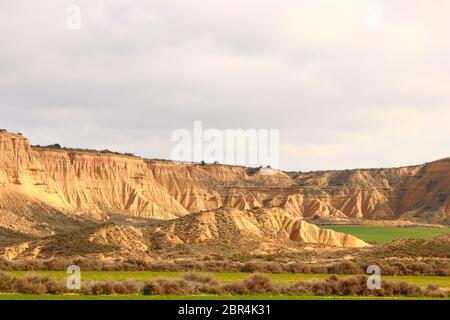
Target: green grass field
[387,234]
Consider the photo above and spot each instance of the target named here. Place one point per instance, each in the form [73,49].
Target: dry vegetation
[195,284]
[389,267]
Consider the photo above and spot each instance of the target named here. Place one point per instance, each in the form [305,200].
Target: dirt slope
[227,225]
[230,223]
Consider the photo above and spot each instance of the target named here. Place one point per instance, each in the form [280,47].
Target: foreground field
[386,234]
[200,297]
[226,277]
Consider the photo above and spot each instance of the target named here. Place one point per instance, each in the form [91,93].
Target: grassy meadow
[382,235]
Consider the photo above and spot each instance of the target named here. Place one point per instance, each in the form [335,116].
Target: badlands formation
[137,205]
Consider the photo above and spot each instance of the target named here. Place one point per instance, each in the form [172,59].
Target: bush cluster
[31,284]
[195,284]
[261,284]
[392,267]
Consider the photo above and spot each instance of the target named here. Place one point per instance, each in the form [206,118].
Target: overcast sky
[349,83]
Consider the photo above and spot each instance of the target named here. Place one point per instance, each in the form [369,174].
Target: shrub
[200,278]
[235,288]
[153,288]
[258,283]
[168,287]
[130,287]
[430,267]
[6,282]
[31,284]
[100,287]
[358,286]
[56,287]
[191,284]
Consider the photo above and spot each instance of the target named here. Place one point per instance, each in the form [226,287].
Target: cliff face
[80,183]
[50,192]
[94,184]
[419,192]
[427,191]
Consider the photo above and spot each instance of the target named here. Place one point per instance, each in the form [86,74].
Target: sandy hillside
[48,192]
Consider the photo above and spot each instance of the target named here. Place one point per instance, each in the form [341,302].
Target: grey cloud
[139,69]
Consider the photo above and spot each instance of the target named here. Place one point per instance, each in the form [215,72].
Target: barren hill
[264,230]
[49,191]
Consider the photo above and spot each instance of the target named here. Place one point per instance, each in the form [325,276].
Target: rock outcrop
[227,224]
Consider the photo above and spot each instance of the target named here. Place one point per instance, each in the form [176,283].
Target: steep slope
[266,227]
[378,194]
[229,224]
[79,183]
[43,182]
[427,192]
[204,187]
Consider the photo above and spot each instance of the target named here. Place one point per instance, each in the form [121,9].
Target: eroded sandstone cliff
[46,191]
[96,183]
[79,183]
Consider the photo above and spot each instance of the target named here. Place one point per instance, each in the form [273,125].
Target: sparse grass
[199,297]
[387,234]
[224,277]
[224,286]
